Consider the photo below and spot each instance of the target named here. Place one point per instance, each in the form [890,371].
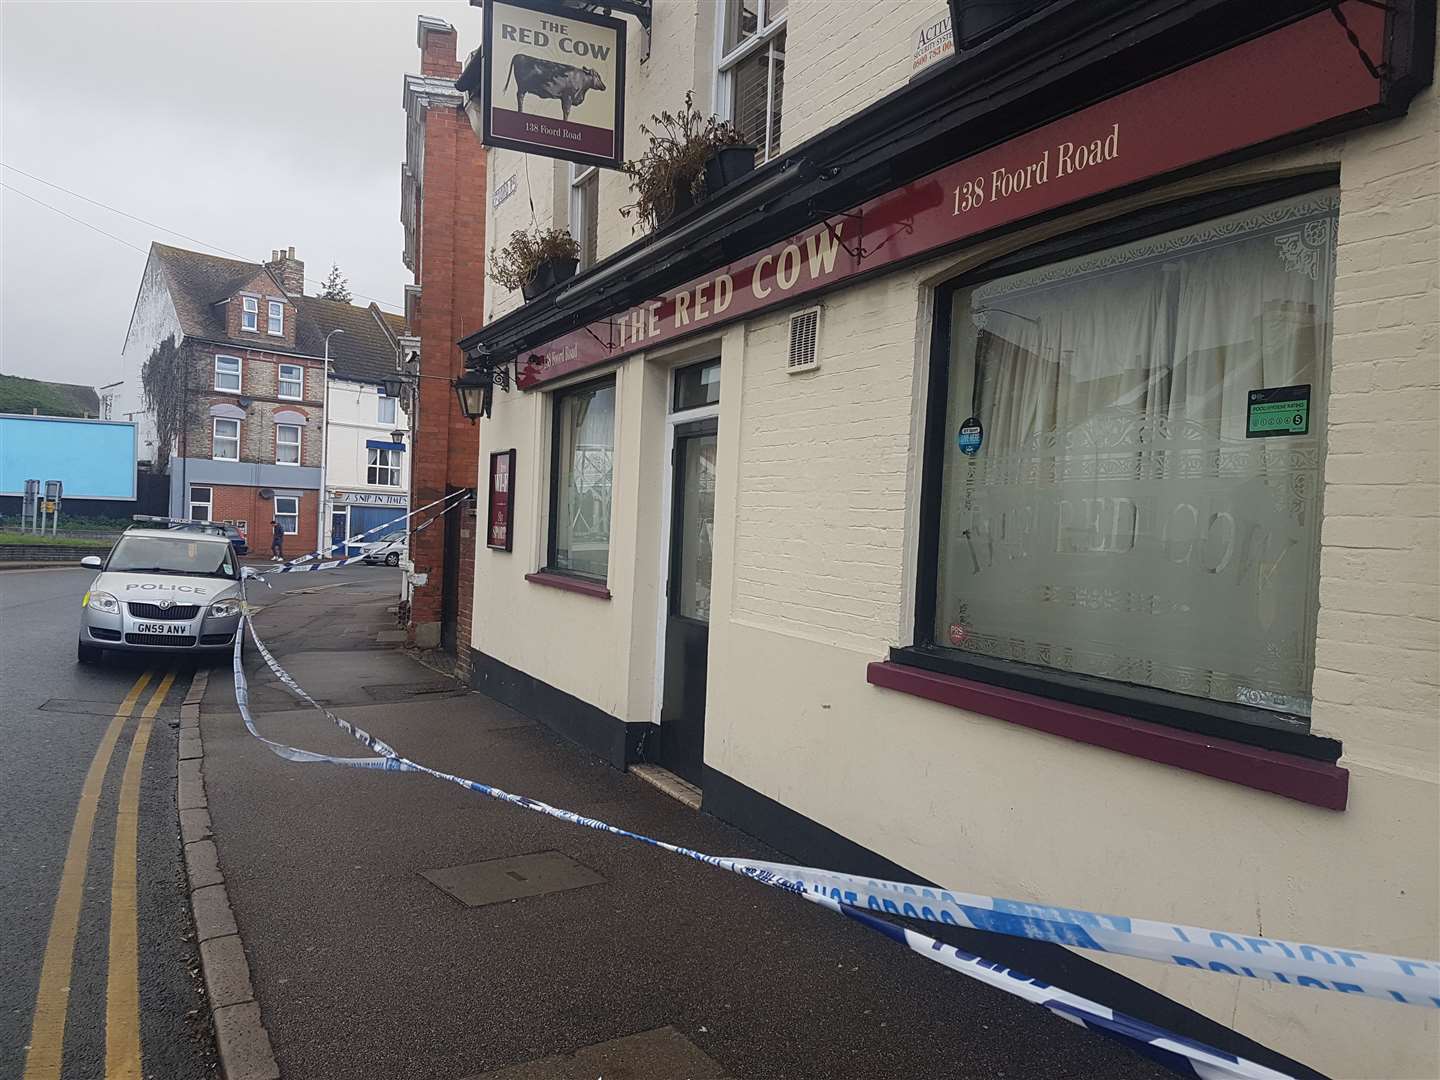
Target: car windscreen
[172,555]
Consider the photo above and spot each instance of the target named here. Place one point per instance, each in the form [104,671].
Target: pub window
[249,313]
[275,318]
[751,70]
[581,475]
[1118,509]
[585,211]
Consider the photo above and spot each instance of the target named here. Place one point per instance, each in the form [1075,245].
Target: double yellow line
[122,1010]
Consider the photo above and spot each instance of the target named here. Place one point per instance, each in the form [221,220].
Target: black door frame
[678,422]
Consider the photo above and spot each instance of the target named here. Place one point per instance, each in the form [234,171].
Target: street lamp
[322,501]
[476,391]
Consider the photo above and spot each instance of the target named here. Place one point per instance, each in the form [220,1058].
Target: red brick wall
[450,274]
[245,504]
[437,53]
[468,531]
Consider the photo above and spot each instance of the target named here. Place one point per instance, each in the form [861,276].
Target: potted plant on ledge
[535,260]
[691,158]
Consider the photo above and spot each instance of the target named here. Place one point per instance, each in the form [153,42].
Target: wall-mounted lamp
[476,388]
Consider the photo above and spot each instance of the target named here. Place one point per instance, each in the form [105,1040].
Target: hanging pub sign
[553,82]
[499,529]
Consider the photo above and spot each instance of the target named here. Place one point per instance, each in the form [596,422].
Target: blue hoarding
[94,459]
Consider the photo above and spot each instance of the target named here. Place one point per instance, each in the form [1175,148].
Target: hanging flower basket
[548,274]
[672,175]
[535,260]
[726,165]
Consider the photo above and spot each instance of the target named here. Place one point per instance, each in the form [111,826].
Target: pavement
[58,725]
[587,956]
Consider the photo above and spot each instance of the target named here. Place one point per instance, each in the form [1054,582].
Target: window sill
[1317,783]
[568,583]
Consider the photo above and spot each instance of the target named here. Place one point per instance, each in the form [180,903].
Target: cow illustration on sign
[550,79]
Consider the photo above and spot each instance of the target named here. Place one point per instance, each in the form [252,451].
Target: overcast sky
[245,126]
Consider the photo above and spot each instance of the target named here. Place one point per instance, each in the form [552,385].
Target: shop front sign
[553,82]
[1271,87]
[367,498]
[499,533]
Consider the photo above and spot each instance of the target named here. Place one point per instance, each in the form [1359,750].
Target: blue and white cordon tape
[1346,971]
[312,561]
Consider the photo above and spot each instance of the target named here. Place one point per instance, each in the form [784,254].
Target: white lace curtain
[1116,521]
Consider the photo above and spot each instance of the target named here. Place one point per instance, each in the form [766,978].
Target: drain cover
[498,880]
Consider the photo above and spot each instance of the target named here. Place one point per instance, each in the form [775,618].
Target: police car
[167,586]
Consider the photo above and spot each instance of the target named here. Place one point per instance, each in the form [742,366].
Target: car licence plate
[175,629]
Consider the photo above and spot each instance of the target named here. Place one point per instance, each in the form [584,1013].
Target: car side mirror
[91,562]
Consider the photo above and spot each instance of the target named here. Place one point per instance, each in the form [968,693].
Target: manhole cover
[498,880]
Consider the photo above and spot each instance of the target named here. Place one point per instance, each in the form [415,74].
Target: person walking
[277,541]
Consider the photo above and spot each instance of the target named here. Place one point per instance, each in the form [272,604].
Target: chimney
[289,269]
[437,41]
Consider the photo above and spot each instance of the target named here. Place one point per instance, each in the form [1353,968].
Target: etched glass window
[581,477]
[1118,501]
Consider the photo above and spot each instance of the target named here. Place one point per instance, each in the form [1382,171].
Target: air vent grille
[804,340]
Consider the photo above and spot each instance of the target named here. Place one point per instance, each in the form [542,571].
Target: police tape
[303,563]
[1185,1056]
[1375,974]
[1346,971]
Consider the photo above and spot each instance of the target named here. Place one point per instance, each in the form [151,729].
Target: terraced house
[253,350]
[1023,480]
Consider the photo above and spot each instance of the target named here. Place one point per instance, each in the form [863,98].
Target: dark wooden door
[450,585]
[687,623]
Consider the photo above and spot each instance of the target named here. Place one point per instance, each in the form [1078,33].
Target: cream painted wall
[814,568]
[822,569]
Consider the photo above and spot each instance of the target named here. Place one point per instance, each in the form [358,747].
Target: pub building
[1024,480]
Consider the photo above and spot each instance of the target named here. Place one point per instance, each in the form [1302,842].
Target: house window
[750,86]
[585,211]
[384,467]
[385,410]
[581,467]
[1099,521]
[225,445]
[275,321]
[227,374]
[249,313]
[292,382]
[287,444]
[202,503]
[287,513]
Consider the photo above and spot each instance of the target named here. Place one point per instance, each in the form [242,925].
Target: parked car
[388,548]
[237,540]
[162,590]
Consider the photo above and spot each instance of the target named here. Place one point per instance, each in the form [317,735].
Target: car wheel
[393,559]
[88,654]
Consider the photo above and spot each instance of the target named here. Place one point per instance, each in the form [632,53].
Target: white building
[367,430]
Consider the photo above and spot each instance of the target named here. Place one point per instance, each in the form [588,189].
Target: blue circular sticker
[970,437]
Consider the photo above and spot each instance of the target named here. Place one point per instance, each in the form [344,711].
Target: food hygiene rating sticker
[1280,410]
